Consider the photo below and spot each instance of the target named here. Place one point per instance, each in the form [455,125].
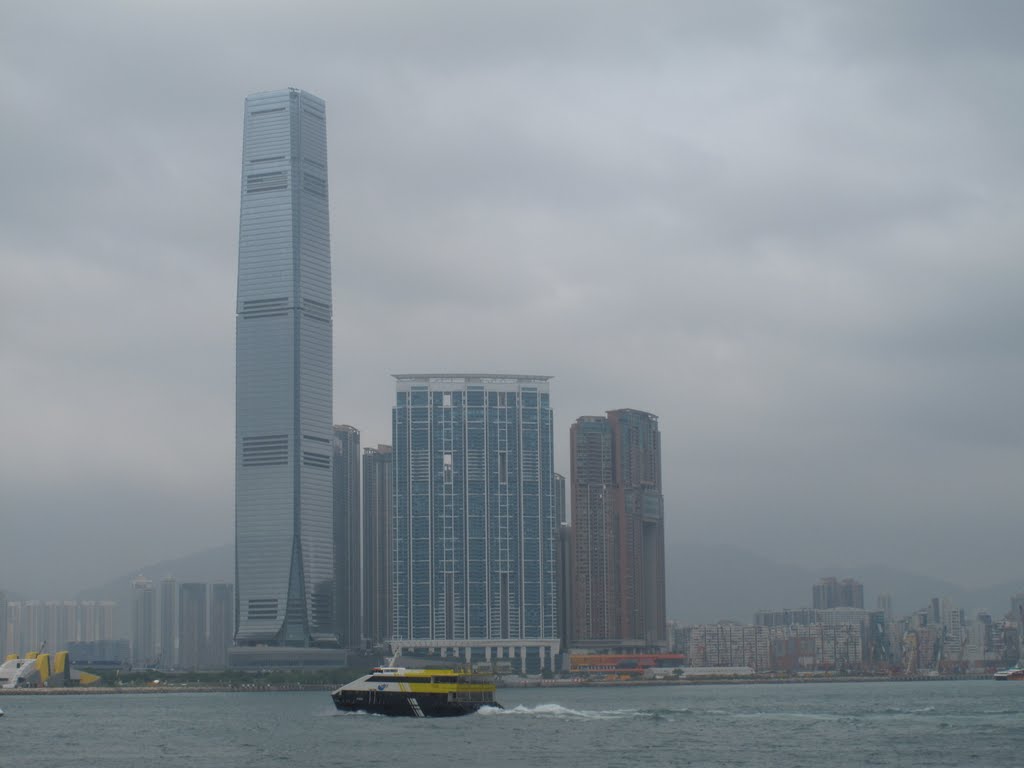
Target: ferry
[1013,673]
[416,692]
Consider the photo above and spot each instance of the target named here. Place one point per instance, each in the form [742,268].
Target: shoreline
[255,688]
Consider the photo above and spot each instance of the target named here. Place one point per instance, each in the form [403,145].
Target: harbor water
[942,723]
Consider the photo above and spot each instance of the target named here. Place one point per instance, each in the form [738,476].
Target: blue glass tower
[283,519]
[475,530]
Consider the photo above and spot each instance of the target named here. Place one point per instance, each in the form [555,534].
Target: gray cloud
[789,229]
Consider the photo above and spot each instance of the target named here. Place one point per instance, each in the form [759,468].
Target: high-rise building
[60,624]
[377,480]
[96,621]
[618,530]
[832,593]
[222,623]
[3,624]
[347,538]
[595,532]
[283,521]
[168,622]
[563,565]
[475,533]
[192,626]
[30,634]
[143,622]
[883,603]
[1017,608]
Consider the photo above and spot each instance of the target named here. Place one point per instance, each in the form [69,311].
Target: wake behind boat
[417,692]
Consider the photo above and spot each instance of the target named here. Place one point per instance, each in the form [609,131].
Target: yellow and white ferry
[417,692]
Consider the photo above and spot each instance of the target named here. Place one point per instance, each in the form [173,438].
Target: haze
[792,230]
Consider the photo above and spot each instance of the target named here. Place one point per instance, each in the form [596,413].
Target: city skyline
[284,547]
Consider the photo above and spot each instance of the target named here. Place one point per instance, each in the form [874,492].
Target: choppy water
[975,723]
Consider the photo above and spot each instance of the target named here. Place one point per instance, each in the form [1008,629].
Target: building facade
[563,566]
[3,625]
[830,592]
[169,622]
[618,530]
[284,560]
[378,465]
[222,622]
[347,537]
[475,533]
[143,622]
[192,626]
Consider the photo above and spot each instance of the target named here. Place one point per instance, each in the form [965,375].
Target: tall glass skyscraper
[283,529]
[377,485]
[168,622]
[474,525]
[347,538]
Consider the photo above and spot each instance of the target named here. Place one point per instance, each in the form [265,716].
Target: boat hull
[1009,674]
[405,704]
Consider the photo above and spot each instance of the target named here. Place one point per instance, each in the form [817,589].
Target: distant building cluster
[31,625]
[839,635]
[187,626]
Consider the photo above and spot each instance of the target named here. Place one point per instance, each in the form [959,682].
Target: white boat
[1013,673]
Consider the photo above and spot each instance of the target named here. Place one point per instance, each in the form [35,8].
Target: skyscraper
[377,481]
[563,565]
[283,528]
[3,624]
[832,593]
[618,530]
[192,626]
[222,620]
[347,539]
[143,622]
[475,532]
[168,622]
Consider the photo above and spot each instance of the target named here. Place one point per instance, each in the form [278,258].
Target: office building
[832,593]
[347,538]
[96,621]
[618,531]
[168,622]
[3,625]
[787,617]
[377,479]
[883,603]
[563,564]
[283,518]
[143,622]
[62,624]
[222,622]
[1016,613]
[192,626]
[475,532]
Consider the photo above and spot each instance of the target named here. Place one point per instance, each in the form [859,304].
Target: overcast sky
[792,230]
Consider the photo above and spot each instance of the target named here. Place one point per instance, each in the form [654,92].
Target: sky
[791,230]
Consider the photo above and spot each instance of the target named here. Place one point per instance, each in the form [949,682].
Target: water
[970,723]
